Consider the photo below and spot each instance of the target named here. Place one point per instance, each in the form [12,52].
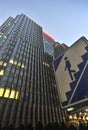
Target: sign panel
[71,72]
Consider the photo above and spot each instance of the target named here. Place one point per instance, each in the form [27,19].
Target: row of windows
[20,82]
[8,94]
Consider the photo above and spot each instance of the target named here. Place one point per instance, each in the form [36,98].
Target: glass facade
[28,91]
[52,49]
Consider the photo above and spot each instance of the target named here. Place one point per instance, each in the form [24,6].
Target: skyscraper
[28,92]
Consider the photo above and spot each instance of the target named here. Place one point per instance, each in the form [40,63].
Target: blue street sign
[71,72]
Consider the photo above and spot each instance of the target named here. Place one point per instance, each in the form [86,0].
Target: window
[12,94]
[1,72]
[7,91]
[5,64]
[11,61]
[22,66]
[1,92]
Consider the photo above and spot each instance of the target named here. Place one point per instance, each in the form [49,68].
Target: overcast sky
[65,20]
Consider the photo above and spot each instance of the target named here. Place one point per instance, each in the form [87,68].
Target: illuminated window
[70,117]
[87,118]
[1,72]
[44,63]
[12,94]
[5,64]
[22,66]
[70,109]
[19,64]
[1,92]
[7,91]
[11,61]
[16,95]
[15,62]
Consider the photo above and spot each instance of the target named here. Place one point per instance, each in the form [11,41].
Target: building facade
[28,92]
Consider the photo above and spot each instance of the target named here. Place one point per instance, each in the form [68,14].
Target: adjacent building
[28,92]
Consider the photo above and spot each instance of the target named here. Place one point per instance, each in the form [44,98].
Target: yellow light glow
[83,118]
[44,63]
[1,92]
[80,113]
[70,116]
[85,113]
[87,118]
[12,94]
[11,61]
[15,62]
[75,117]
[7,91]
[16,95]
[22,66]
[5,64]
[79,118]
[86,109]
[19,64]
[70,109]
[1,72]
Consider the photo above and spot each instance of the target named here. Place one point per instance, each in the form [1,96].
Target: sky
[65,20]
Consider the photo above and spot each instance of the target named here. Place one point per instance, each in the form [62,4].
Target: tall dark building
[28,91]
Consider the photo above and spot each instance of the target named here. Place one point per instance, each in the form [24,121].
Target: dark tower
[28,92]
